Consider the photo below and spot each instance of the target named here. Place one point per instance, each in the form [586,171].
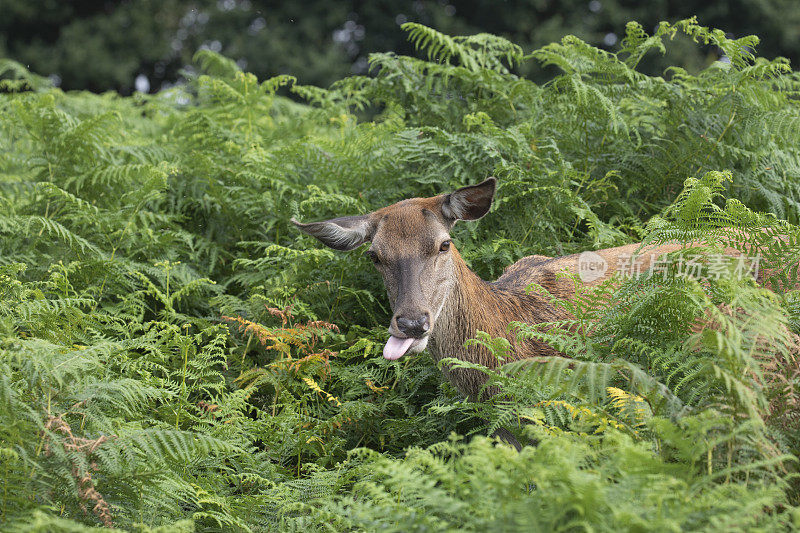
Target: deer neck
[475,305]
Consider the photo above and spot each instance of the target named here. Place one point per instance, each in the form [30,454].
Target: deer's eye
[444,246]
[373,257]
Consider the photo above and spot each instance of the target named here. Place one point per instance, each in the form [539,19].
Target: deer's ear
[343,233]
[469,203]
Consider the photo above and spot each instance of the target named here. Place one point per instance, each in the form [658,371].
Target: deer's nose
[415,327]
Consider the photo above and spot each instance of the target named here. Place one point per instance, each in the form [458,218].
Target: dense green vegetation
[175,355]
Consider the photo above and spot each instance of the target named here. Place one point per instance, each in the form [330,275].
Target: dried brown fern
[86,488]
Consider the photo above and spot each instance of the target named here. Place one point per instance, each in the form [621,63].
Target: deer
[438,302]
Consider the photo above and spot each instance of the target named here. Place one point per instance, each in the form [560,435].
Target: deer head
[412,250]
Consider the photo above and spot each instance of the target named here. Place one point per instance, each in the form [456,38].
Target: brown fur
[477,305]
[424,281]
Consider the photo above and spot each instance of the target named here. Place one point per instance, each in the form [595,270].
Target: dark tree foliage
[104,45]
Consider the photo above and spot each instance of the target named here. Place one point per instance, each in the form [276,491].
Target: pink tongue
[396,347]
